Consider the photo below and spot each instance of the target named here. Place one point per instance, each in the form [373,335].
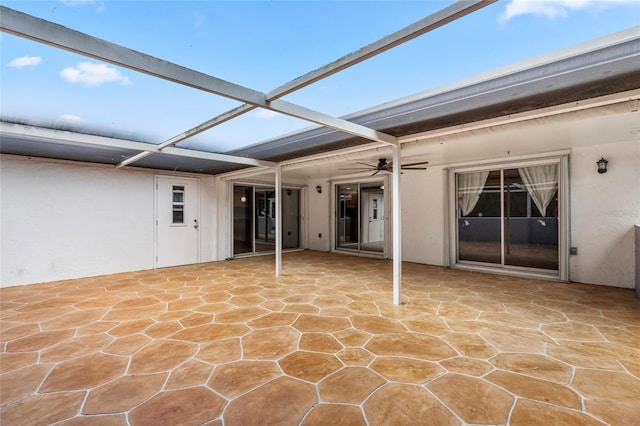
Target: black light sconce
[288,192]
[318,189]
[602,165]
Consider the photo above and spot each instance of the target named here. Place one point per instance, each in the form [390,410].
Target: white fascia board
[82,139]
[527,115]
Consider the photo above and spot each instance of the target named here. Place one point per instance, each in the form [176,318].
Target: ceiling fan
[383,166]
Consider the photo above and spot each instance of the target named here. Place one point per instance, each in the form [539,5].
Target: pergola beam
[423,26]
[42,31]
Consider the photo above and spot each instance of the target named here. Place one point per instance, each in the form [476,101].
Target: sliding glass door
[360,224]
[509,217]
[254,219]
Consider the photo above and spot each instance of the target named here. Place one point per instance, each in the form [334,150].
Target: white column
[278,221]
[396,215]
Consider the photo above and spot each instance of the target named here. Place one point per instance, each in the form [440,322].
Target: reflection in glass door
[254,219]
[360,222]
[509,217]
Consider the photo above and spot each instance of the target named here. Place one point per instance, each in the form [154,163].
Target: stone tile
[628,336]
[122,394]
[536,413]
[534,365]
[355,356]
[186,406]
[102,420]
[535,389]
[237,378]
[73,320]
[38,341]
[191,373]
[162,355]
[398,404]
[22,382]
[406,370]
[377,325]
[43,409]
[471,345]
[76,347]
[307,323]
[572,331]
[127,345]
[474,400]
[11,361]
[309,366]
[240,315]
[220,351]
[283,401]
[273,320]
[586,355]
[428,324]
[352,337]
[344,415]
[468,366]
[319,342]
[350,385]
[270,343]
[456,311]
[210,332]
[81,373]
[162,329]
[509,342]
[613,413]
[410,345]
[17,332]
[246,300]
[130,327]
[607,385]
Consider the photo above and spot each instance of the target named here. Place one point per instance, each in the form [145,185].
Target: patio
[228,343]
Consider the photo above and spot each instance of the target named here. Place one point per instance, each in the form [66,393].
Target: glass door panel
[242,219]
[531,235]
[347,229]
[479,216]
[372,217]
[290,218]
[265,220]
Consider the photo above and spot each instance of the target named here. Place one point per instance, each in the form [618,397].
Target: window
[177,205]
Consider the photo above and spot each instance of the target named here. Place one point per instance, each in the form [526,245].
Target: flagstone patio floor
[228,343]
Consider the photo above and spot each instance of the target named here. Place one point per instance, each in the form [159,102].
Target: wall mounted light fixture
[318,189]
[602,165]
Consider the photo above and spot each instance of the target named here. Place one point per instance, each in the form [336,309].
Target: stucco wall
[63,220]
[604,209]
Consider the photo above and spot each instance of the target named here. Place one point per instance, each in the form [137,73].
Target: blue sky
[263,44]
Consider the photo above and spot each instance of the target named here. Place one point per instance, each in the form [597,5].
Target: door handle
[195,223]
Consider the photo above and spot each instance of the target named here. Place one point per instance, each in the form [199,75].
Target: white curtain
[541,183]
[470,186]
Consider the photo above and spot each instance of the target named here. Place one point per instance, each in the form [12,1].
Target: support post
[278,220]
[396,214]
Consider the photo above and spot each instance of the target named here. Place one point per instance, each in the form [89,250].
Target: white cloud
[70,119]
[25,61]
[556,8]
[266,113]
[92,74]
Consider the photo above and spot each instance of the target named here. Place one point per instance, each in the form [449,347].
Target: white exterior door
[177,212]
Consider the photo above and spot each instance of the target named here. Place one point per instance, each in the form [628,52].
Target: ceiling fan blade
[415,164]
[375,173]
[414,168]
[365,164]
[358,168]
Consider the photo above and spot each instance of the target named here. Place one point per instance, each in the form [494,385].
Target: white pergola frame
[42,31]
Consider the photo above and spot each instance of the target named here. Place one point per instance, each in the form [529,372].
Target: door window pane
[347,204]
[242,219]
[531,239]
[478,195]
[177,205]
